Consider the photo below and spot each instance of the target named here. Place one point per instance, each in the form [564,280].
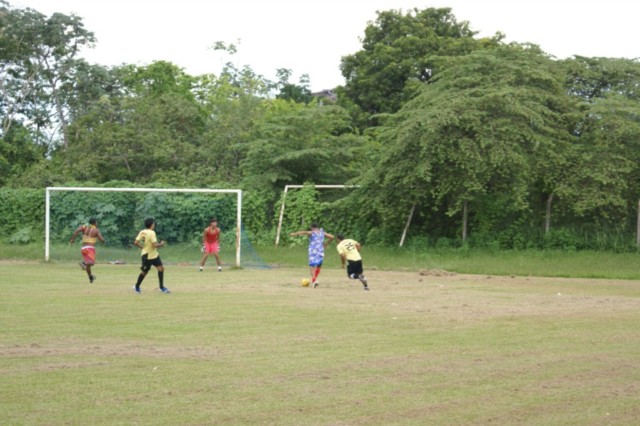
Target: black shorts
[147,264]
[354,267]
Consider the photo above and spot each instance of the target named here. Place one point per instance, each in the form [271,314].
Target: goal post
[52,189]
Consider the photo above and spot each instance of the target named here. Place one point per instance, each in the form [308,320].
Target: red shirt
[211,237]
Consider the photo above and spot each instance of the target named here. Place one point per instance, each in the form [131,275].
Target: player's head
[92,221]
[149,222]
[314,225]
[213,221]
[339,237]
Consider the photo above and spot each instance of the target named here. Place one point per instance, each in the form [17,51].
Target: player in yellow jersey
[90,236]
[148,242]
[349,251]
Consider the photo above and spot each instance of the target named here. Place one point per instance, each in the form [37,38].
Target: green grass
[247,347]
[552,263]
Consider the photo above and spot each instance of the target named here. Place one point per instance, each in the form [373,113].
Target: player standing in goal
[317,245]
[349,251]
[148,242]
[90,236]
[211,243]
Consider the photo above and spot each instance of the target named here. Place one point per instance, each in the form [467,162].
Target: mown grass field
[247,347]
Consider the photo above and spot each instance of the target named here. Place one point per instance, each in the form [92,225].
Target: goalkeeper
[211,243]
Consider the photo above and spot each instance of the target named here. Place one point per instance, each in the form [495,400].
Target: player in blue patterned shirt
[318,240]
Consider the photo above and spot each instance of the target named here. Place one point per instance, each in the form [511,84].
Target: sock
[140,278]
[315,274]
[161,278]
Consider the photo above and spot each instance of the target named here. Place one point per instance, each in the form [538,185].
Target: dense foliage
[463,140]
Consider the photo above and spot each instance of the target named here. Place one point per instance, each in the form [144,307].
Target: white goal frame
[284,196]
[51,189]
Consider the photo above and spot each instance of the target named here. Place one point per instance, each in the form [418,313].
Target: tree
[485,126]
[398,48]
[297,143]
[601,182]
[293,92]
[147,130]
[38,67]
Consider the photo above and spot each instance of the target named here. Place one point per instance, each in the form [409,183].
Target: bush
[22,236]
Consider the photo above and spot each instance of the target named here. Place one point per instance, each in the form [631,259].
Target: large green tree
[488,125]
[297,143]
[145,131]
[39,57]
[398,48]
[602,183]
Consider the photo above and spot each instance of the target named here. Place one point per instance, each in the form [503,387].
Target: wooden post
[404,233]
[638,226]
[547,218]
[465,215]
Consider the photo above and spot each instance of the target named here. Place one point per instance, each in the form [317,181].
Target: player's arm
[99,236]
[358,246]
[157,244]
[329,238]
[343,254]
[75,234]
[204,237]
[297,234]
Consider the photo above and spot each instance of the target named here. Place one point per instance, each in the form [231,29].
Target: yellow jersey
[349,249]
[148,237]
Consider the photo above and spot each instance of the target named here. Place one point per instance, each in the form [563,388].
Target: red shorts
[211,248]
[88,254]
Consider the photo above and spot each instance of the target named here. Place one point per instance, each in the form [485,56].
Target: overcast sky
[311,36]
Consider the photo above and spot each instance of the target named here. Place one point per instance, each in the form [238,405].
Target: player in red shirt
[211,243]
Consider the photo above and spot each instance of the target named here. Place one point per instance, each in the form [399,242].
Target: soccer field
[253,347]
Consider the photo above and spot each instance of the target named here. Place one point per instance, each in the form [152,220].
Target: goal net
[181,216]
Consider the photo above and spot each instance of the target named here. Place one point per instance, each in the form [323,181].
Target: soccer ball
[305,282]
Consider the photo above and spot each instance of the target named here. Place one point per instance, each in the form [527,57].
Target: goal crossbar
[51,189]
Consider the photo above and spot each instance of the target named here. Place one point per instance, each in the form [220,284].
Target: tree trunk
[465,214]
[404,233]
[638,226]
[547,218]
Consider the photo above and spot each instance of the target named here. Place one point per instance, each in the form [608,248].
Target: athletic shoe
[366,288]
[164,290]
[137,290]
[92,278]
[83,266]
[201,269]
[316,284]
[219,268]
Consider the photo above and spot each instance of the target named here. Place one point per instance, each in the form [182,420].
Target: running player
[349,251]
[90,236]
[148,242]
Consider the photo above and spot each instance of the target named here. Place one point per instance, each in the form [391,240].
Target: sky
[311,36]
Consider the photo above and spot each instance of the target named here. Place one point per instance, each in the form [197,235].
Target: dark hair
[92,221]
[339,237]
[213,219]
[314,225]
[148,222]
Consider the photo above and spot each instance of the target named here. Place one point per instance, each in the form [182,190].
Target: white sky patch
[311,36]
